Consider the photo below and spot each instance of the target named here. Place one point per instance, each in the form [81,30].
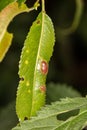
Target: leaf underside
[38,47]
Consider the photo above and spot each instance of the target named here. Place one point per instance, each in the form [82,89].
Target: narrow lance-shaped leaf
[6,15]
[33,67]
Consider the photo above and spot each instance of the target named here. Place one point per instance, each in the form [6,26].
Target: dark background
[68,63]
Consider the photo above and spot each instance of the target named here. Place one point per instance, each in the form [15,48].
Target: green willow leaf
[6,15]
[33,67]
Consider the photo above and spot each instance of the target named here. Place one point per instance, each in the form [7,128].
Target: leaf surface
[35,56]
[47,117]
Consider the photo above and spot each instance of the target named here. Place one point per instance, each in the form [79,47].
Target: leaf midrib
[42,25]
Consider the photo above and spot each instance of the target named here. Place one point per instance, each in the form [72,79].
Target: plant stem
[43,5]
[76,19]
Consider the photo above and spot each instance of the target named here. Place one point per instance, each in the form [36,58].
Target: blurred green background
[68,65]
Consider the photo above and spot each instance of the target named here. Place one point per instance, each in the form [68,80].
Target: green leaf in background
[33,67]
[57,91]
[47,118]
[6,15]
